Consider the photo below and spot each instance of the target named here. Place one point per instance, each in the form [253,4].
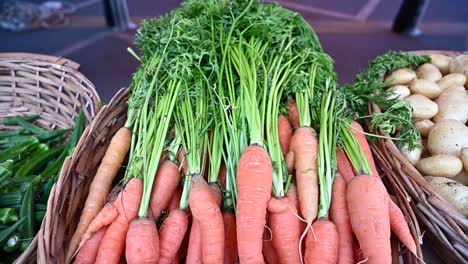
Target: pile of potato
[437,93]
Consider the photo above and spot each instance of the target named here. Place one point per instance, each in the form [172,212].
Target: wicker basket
[51,87]
[429,215]
[69,194]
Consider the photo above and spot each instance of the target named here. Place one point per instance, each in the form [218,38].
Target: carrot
[254,185]
[285,133]
[171,234]
[400,227]
[294,115]
[105,217]
[340,217]
[322,243]
[344,166]
[358,257]
[101,185]
[194,251]
[230,240]
[222,176]
[206,212]
[367,201]
[285,228]
[142,243]
[113,242]
[293,197]
[165,184]
[398,223]
[267,248]
[175,200]
[303,151]
[89,250]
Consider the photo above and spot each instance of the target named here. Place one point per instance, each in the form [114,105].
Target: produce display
[30,161]
[436,92]
[241,148]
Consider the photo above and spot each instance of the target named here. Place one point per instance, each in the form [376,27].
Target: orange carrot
[230,239]
[322,243]
[101,185]
[267,248]
[367,201]
[398,223]
[175,200]
[142,243]
[105,217]
[340,217]
[285,133]
[254,185]
[165,184]
[400,227]
[344,166]
[285,228]
[171,234]
[293,197]
[358,257]
[194,251]
[113,242]
[206,212]
[89,250]
[303,153]
[294,115]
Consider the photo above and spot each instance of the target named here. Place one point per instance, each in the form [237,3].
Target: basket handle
[40,57]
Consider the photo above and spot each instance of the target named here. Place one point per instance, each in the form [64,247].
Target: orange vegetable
[166,182]
[322,243]
[294,115]
[113,242]
[142,243]
[171,234]
[101,185]
[230,238]
[194,251]
[254,185]
[285,133]
[89,250]
[267,248]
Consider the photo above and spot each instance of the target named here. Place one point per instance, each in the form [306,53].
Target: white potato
[427,88]
[464,157]
[454,192]
[453,104]
[442,62]
[442,165]
[400,92]
[401,76]
[452,80]
[413,156]
[429,72]
[423,108]
[460,65]
[424,126]
[447,137]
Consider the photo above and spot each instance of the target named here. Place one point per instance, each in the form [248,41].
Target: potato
[454,192]
[447,137]
[442,62]
[423,108]
[460,65]
[427,88]
[424,126]
[413,156]
[464,157]
[453,104]
[452,80]
[429,72]
[442,165]
[401,76]
[400,92]
[462,178]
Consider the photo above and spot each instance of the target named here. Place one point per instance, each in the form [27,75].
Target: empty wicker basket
[429,215]
[51,87]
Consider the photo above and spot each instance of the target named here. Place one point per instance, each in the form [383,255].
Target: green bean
[10,199]
[55,166]
[77,132]
[51,136]
[29,126]
[36,162]
[13,141]
[27,211]
[39,216]
[8,216]
[13,152]
[13,121]
[10,230]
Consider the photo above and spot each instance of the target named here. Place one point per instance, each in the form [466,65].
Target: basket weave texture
[69,194]
[428,214]
[47,86]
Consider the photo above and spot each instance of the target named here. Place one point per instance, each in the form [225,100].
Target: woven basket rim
[40,57]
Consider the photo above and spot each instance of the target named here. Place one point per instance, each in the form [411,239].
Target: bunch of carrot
[216,173]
